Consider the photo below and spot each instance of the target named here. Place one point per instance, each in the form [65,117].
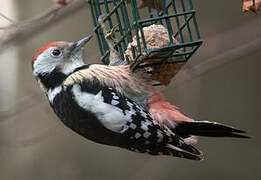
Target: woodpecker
[116,106]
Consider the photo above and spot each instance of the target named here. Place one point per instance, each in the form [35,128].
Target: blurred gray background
[221,82]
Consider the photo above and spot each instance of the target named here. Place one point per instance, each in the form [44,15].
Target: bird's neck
[51,80]
[56,78]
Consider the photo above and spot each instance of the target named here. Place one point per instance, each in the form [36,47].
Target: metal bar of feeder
[176,54]
[158,10]
[95,23]
[177,46]
[108,15]
[168,23]
[186,21]
[108,11]
[120,28]
[182,26]
[166,16]
[135,24]
[194,20]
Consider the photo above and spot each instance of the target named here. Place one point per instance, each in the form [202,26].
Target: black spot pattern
[140,133]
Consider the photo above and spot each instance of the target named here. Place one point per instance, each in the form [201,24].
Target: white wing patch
[110,116]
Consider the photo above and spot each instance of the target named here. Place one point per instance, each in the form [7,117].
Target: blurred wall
[8,68]
[36,145]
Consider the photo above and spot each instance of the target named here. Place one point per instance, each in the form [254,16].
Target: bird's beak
[79,44]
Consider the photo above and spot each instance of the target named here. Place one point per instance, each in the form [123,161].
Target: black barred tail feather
[179,148]
[207,128]
[178,152]
[179,143]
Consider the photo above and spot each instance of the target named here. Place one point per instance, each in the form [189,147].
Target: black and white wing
[130,121]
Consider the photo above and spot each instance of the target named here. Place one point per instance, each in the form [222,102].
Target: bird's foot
[109,35]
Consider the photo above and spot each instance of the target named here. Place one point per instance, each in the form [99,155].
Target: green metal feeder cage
[178,16]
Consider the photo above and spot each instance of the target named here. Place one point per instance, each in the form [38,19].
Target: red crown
[43,49]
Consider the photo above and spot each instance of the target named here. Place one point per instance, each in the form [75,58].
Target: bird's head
[59,58]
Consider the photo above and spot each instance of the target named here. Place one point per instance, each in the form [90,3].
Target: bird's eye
[56,53]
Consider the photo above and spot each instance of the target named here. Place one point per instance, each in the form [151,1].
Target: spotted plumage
[128,123]
[115,106]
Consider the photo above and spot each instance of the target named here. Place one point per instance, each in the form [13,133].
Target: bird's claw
[108,34]
[111,32]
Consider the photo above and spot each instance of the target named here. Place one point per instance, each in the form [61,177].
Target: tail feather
[177,152]
[206,128]
[180,144]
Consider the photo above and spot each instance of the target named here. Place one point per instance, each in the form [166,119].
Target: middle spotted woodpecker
[115,106]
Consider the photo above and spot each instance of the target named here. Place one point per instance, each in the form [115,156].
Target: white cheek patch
[110,116]
[44,64]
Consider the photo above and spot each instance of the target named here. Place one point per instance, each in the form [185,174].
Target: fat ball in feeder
[159,37]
